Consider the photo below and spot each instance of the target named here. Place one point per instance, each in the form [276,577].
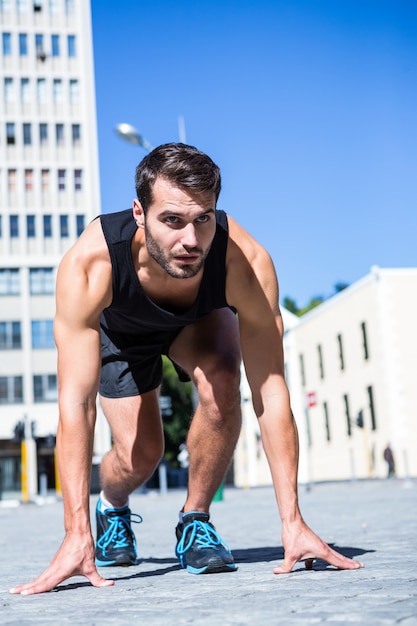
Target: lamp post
[131,135]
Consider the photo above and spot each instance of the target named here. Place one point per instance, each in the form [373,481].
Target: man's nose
[189,236]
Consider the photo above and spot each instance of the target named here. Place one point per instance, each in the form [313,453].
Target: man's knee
[141,460]
[218,380]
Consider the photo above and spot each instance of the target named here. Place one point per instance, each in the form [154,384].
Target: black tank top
[131,311]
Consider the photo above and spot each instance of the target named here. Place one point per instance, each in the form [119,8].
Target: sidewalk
[374,521]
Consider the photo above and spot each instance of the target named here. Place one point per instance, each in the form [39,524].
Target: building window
[341,356]
[58,93]
[63,226]
[41,90]
[55,45]
[31,226]
[47,224]
[10,336]
[11,180]
[11,389]
[59,134]
[40,49]
[7,44]
[14,226]
[43,134]
[326,421]
[28,180]
[9,93]
[5,6]
[74,91]
[37,6]
[27,134]
[364,341]
[78,180]
[25,90]
[23,44]
[45,388]
[61,180]
[54,6]
[320,357]
[10,134]
[347,414]
[45,180]
[72,52]
[371,407]
[42,334]
[9,282]
[76,134]
[22,6]
[69,7]
[80,224]
[41,281]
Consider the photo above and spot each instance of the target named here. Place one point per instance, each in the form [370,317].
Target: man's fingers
[98,581]
[338,560]
[285,567]
[42,585]
[330,556]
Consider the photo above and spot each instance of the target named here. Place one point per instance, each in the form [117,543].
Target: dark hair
[184,166]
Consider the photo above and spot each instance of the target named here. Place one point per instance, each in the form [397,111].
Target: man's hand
[302,544]
[75,557]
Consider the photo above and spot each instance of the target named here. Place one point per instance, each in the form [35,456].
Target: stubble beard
[166,261]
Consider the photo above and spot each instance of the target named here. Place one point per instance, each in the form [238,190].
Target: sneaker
[116,542]
[200,550]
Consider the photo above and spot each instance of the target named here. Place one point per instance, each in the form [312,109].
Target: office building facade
[49,190]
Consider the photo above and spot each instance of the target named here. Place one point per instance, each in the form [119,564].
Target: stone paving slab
[374,521]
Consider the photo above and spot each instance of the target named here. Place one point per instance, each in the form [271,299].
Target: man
[176,277]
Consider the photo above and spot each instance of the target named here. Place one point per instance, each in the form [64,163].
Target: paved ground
[375,521]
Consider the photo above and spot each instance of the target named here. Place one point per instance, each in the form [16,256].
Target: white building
[49,189]
[352,357]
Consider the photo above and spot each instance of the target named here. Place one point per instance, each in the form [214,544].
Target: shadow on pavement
[247,555]
[266,554]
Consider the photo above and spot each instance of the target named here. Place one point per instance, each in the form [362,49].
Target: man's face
[179,228]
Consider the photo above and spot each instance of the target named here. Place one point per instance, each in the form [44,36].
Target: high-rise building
[49,189]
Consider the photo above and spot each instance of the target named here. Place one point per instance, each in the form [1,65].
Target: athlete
[176,277]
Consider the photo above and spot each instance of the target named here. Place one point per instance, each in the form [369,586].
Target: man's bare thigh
[214,335]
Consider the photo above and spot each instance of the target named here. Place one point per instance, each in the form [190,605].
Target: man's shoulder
[118,226]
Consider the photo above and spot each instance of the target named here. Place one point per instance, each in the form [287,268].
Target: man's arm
[252,288]
[81,293]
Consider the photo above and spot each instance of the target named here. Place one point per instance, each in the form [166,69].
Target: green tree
[177,423]
[290,305]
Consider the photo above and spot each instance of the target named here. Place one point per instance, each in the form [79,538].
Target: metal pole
[29,465]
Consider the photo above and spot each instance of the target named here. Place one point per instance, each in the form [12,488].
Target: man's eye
[171,219]
[203,218]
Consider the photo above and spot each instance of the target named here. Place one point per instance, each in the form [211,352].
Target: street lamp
[130,134]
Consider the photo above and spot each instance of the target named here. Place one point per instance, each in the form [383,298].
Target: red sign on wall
[311,399]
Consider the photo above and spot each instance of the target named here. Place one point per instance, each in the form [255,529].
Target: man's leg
[138,446]
[210,352]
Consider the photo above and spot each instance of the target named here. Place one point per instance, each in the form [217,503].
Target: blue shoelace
[119,531]
[201,535]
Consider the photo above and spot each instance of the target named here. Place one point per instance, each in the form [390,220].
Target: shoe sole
[212,569]
[100,563]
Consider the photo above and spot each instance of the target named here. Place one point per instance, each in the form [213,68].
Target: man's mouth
[187,258]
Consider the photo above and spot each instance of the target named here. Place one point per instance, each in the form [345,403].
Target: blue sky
[308,106]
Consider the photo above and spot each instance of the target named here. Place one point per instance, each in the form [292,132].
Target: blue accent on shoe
[200,549]
[116,542]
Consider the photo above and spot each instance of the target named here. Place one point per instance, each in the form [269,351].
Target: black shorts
[131,364]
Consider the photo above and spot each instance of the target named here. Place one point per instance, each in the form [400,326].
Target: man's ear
[138,213]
